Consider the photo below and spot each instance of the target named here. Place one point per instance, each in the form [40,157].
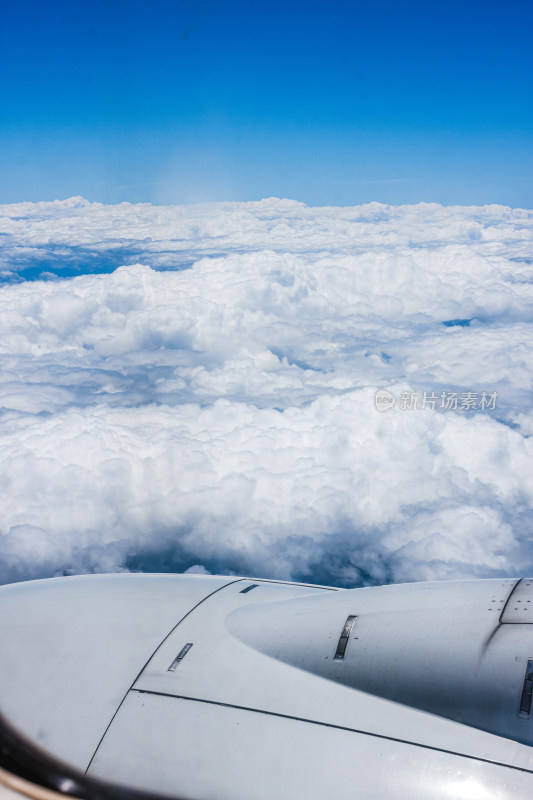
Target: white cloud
[221,417]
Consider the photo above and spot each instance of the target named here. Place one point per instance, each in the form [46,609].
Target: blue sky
[328,103]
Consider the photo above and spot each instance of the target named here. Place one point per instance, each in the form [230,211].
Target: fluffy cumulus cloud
[193,388]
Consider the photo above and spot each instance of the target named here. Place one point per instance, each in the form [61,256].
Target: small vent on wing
[345,635]
[527,690]
[249,588]
[181,655]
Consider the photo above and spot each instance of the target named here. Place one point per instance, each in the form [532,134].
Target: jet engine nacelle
[458,649]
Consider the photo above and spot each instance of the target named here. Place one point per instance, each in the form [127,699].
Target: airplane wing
[222,687]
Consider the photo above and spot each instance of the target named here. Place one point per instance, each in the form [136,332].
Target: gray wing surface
[217,687]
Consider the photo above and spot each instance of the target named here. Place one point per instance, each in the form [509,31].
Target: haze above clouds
[210,402]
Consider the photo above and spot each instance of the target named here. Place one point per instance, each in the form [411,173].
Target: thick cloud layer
[210,404]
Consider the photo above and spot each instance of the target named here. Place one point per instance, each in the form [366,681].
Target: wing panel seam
[337,727]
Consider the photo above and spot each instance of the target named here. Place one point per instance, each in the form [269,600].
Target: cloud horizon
[194,387]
